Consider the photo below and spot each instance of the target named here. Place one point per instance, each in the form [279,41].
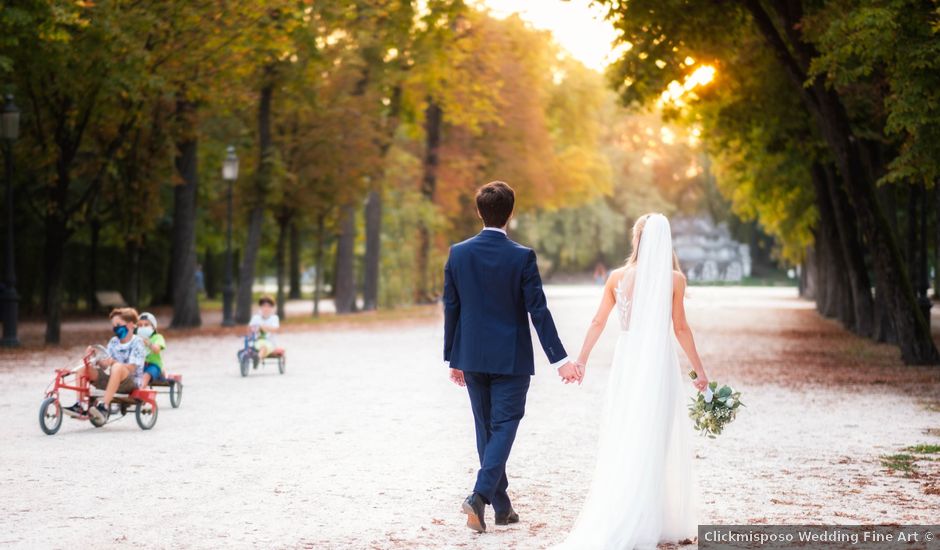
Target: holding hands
[572,372]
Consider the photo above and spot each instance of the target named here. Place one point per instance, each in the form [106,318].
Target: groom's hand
[569,373]
[456,376]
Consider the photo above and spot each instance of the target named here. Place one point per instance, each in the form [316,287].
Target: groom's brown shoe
[506,519]
[474,507]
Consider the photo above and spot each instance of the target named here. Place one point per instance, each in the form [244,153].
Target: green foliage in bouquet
[712,409]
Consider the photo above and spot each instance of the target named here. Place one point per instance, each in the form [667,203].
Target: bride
[643,491]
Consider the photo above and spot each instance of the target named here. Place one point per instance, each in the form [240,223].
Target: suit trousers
[498,403]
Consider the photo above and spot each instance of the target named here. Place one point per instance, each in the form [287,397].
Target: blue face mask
[120,331]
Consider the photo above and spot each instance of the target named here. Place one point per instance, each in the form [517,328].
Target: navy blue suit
[491,289]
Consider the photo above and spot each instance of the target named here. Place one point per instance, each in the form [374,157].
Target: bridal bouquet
[713,408]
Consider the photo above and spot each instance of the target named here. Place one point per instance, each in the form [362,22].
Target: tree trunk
[132,280]
[280,260]
[892,278]
[905,325]
[93,264]
[853,254]
[373,259]
[922,277]
[913,247]
[183,276]
[837,304]
[832,299]
[887,196]
[167,296]
[210,273]
[917,245]
[246,272]
[433,120]
[822,273]
[56,235]
[936,244]
[318,275]
[885,330]
[344,276]
[809,276]
[373,250]
[801,281]
[295,282]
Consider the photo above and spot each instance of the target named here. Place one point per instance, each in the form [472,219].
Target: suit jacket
[491,288]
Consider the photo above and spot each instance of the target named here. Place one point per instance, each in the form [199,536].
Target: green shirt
[156,357]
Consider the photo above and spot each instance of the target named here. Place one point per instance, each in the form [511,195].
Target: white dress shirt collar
[500,229]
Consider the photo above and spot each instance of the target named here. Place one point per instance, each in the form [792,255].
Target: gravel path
[364,443]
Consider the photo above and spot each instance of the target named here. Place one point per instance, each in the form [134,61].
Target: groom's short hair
[495,202]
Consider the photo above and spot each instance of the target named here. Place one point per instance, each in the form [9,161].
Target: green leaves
[885,57]
[710,417]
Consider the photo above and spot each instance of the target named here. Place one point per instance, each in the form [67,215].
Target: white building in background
[707,252]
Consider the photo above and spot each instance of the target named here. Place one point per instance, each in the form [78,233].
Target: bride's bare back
[619,292]
[623,294]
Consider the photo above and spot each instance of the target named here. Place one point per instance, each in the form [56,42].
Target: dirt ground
[364,443]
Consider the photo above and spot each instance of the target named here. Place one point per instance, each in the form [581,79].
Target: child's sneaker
[75,411]
[99,412]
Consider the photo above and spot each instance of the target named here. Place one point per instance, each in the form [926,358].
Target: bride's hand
[700,383]
[581,369]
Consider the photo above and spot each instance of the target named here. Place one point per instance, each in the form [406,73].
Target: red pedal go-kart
[142,401]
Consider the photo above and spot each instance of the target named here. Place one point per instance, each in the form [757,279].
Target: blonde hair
[637,233]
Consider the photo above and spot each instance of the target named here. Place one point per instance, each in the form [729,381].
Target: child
[265,323]
[153,364]
[126,356]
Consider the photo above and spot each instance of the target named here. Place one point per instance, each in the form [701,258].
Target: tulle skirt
[644,489]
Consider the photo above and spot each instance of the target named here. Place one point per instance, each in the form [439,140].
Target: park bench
[110,298]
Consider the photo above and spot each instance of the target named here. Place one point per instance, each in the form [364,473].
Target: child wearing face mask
[156,343]
[126,354]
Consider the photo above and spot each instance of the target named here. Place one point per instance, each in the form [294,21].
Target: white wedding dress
[644,490]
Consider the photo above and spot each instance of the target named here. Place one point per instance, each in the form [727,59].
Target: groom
[491,288]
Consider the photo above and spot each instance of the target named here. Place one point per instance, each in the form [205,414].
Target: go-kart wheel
[176,393]
[50,415]
[244,364]
[146,415]
[282,364]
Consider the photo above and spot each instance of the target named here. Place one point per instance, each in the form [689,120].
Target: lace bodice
[623,292]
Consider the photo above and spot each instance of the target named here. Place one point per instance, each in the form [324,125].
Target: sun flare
[674,92]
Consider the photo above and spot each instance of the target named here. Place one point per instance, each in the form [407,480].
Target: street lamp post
[9,300]
[229,174]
